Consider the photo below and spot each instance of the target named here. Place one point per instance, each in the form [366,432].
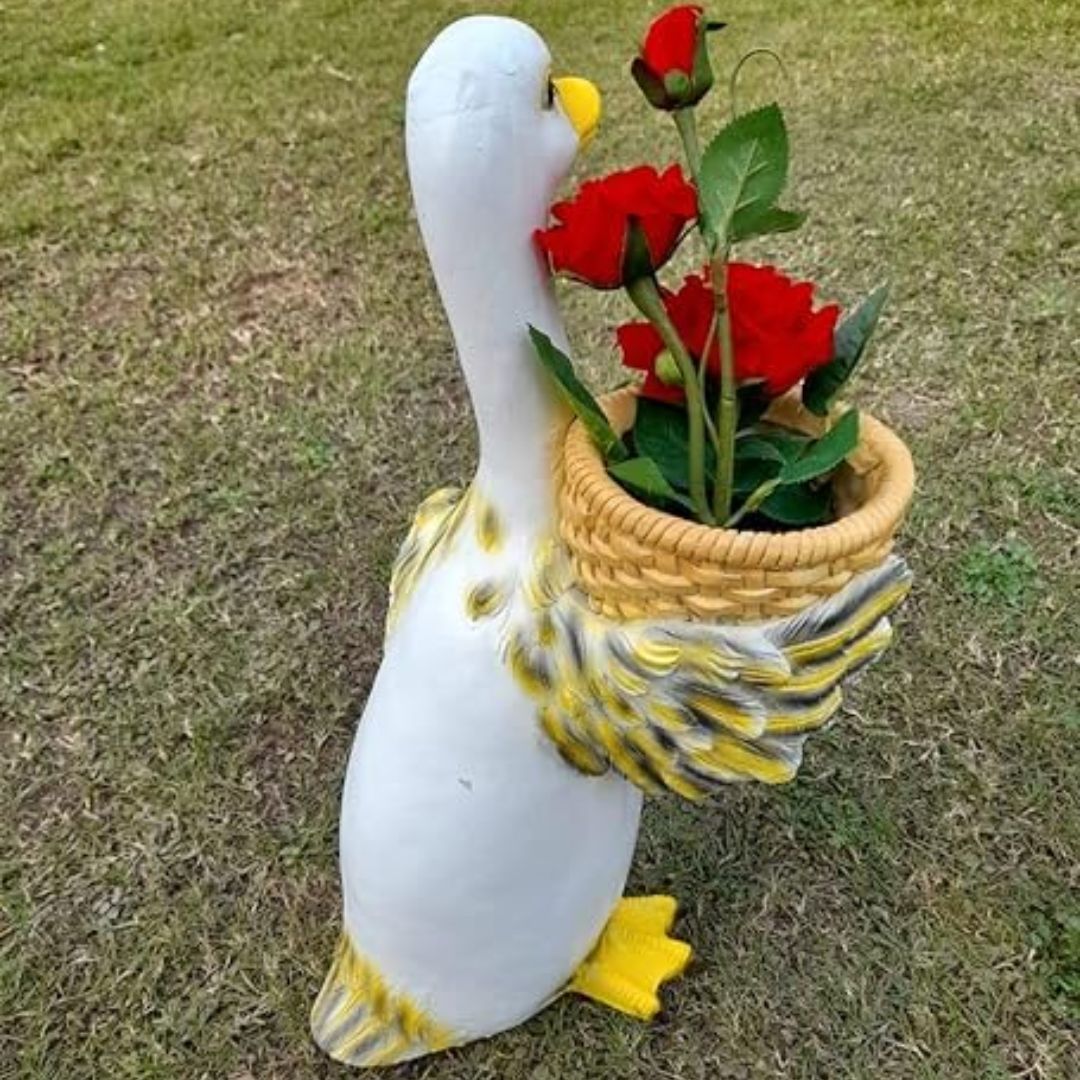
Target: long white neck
[493,284]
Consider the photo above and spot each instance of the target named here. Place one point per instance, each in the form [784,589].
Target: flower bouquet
[698,490]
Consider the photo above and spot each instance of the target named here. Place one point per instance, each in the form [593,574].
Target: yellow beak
[581,103]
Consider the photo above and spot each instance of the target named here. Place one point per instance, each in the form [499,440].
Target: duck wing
[688,706]
[436,519]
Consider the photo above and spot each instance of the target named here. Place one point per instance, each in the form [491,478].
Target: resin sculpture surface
[493,793]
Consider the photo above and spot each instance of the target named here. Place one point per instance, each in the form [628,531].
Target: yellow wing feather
[437,517]
[688,706]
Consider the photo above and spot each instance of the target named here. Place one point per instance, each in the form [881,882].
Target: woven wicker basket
[634,561]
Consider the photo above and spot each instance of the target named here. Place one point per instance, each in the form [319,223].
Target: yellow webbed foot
[633,957]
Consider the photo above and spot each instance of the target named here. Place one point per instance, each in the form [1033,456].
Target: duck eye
[549,94]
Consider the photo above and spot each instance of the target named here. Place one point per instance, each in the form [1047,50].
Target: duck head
[490,135]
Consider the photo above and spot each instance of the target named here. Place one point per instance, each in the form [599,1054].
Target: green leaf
[760,458]
[662,432]
[577,396]
[752,473]
[758,448]
[772,220]
[852,335]
[824,454]
[803,460]
[753,402]
[744,169]
[788,445]
[642,477]
[799,505]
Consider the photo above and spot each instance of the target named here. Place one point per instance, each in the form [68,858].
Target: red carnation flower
[691,310]
[673,67]
[778,337]
[591,240]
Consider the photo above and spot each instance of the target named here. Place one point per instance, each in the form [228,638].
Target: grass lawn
[225,382]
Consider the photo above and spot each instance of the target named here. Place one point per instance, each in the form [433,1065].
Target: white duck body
[478,868]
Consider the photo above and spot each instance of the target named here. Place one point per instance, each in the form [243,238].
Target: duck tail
[359,1020]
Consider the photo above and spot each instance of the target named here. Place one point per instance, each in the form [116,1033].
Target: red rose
[591,239]
[778,337]
[673,68]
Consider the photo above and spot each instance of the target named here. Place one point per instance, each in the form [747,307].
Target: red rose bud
[778,337]
[620,228]
[673,68]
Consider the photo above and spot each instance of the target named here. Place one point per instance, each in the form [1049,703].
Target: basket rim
[874,522]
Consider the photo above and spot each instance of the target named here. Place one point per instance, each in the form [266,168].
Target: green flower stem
[646,297]
[753,501]
[727,414]
[687,126]
[722,433]
[703,367]
[710,427]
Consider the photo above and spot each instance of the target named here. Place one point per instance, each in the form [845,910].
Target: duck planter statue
[556,647]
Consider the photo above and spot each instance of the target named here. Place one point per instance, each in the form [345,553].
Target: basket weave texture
[634,561]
